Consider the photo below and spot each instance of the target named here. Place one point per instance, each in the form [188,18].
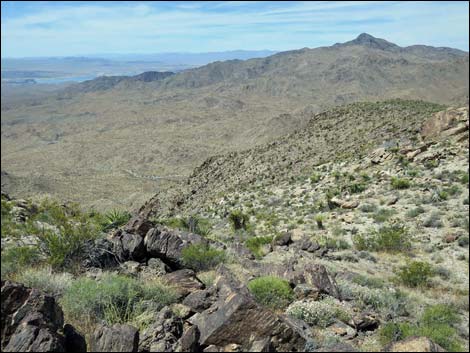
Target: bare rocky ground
[367,252]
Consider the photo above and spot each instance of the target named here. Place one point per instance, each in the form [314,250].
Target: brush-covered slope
[82,145]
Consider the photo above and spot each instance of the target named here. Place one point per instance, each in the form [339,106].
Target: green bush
[238,220]
[315,178]
[201,257]
[433,221]
[16,258]
[271,291]
[415,212]
[400,183]
[415,274]
[113,299]
[193,224]
[391,239]
[383,215]
[255,244]
[356,188]
[114,219]
[436,323]
[45,279]
[320,218]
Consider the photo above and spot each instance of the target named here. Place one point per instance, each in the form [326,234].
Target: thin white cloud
[199,26]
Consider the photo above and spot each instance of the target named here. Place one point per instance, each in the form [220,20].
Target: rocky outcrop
[236,319]
[414,344]
[116,338]
[168,244]
[184,280]
[450,122]
[32,321]
[163,335]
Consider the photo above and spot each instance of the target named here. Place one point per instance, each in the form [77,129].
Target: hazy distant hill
[83,144]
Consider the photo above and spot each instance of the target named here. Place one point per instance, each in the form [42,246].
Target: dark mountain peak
[367,40]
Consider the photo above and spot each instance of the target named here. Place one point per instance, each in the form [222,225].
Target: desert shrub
[400,183]
[315,178]
[193,224]
[112,299]
[333,244]
[436,323]
[319,313]
[238,220]
[383,215]
[431,163]
[320,218]
[433,221]
[201,257]
[16,258]
[415,212]
[114,219]
[271,291]
[45,279]
[368,208]
[392,302]
[393,238]
[415,274]
[254,244]
[356,188]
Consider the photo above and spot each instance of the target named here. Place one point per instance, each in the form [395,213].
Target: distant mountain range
[166,124]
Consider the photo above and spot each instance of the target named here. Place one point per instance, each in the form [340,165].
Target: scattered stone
[365,322]
[131,268]
[284,239]
[341,329]
[304,291]
[99,254]
[344,204]
[414,344]
[189,341]
[317,275]
[117,338]
[338,347]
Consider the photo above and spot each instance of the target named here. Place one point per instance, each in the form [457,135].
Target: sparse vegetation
[319,313]
[271,291]
[415,274]
[238,220]
[393,238]
[202,257]
[400,183]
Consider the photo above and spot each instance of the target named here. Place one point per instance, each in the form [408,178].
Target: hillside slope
[83,144]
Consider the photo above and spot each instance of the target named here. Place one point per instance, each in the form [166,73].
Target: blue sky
[41,28]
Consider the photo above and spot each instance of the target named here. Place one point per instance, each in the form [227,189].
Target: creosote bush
[437,323]
[392,238]
[113,299]
[202,257]
[271,291]
[238,220]
[255,244]
[400,183]
[415,274]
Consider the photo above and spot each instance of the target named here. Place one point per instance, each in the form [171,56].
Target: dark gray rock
[184,280]
[163,335]
[74,341]
[117,338]
[168,244]
[138,225]
[199,300]
[317,275]
[189,341]
[31,321]
[129,246]
[236,319]
[284,239]
[99,254]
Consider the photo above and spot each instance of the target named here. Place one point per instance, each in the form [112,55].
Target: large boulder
[31,321]
[237,319]
[100,254]
[414,344]
[168,244]
[116,338]
[138,225]
[450,122]
[129,246]
[317,275]
[163,334]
